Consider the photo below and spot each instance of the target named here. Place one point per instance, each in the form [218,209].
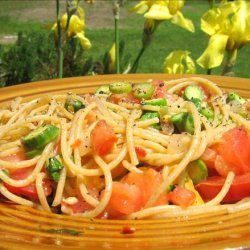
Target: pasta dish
[153,149]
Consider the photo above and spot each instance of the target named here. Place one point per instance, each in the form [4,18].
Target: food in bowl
[128,151]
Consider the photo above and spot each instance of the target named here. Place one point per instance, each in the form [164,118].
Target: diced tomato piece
[91,117]
[58,147]
[181,196]
[147,182]
[141,152]
[128,229]
[209,157]
[28,191]
[76,144]
[160,89]
[103,138]
[232,153]
[127,98]
[221,166]
[125,199]
[118,171]
[89,98]
[18,156]
[80,206]
[21,173]
[239,189]
[207,93]
[132,193]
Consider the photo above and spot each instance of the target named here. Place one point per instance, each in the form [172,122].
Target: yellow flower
[229,29]
[75,27]
[179,62]
[111,59]
[164,10]
[83,40]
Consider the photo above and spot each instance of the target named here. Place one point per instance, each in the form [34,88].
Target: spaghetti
[155,151]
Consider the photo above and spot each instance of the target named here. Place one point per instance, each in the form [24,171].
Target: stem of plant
[209,71]
[59,42]
[137,60]
[212,3]
[117,53]
[230,62]
[148,31]
[116,12]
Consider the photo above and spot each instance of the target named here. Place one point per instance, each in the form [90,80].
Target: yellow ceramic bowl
[27,228]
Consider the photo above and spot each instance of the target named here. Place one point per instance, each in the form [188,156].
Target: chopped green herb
[189,124]
[170,188]
[232,96]
[63,231]
[197,103]
[34,152]
[208,113]
[54,167]
[151,115]
[163,111]
[155,102]
[103,90]
[5,171]
[184,122]
[197,171]
[73,105]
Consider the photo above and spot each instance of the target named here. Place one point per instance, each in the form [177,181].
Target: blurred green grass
[12,25]
[167,38]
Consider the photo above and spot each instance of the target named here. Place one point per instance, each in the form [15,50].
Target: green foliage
[27,60]
[33,57]
[12,25]
[101,65]
[2,74]
[75,61]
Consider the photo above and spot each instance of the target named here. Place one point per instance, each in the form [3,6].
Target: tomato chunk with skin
[103,138]
[160,89]
[181,196]
[77,204]
[28,191]
[232,153]
[239,189]
[133,192]
[80,206]
[127,98]
[148,182]
[141,152]
[18,156]
[125,199]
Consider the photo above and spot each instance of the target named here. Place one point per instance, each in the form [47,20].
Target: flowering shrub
[73,26]
[164,10]
[155,12]
[179,62]
[229,29]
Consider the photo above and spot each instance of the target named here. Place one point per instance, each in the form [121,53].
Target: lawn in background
[16,16]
